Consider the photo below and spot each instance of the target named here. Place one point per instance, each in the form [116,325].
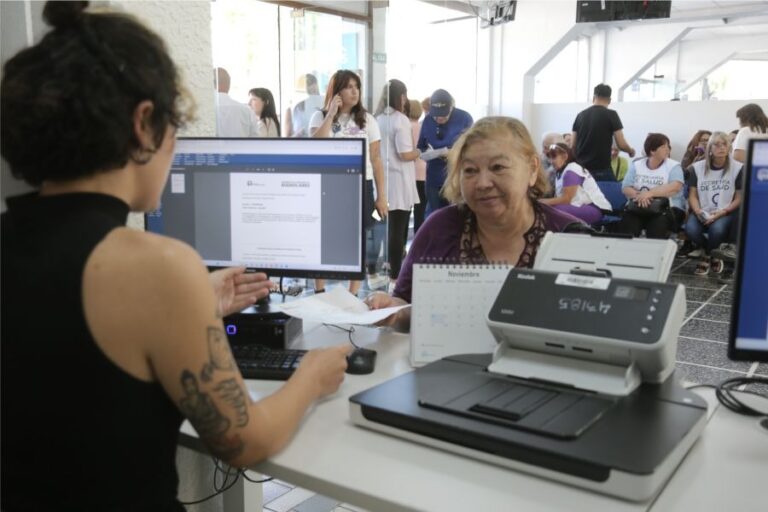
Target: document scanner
[581,387]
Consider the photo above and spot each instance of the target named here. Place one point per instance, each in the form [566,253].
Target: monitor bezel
[735,353]
[311,274]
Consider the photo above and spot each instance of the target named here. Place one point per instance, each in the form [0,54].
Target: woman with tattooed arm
[132,340]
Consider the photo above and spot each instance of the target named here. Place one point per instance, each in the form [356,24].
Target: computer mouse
[361,361]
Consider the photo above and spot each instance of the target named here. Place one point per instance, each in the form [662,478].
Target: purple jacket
[439,240]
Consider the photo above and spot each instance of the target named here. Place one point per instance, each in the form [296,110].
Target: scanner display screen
[631,293]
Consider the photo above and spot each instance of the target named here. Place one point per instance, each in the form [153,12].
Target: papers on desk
[337,306]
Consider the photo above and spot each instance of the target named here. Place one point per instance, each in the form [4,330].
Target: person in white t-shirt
[344,116]
[233,119]
[399,153]
[714,198]
[648,179]
[262,103]
[754,124]
[576,191]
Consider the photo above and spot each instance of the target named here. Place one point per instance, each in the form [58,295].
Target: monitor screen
[288,207]
[749,315]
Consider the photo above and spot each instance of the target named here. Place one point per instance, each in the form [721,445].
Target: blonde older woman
[494,182]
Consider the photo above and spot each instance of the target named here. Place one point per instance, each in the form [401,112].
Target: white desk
[331,456]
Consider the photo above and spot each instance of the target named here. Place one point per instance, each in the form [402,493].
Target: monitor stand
[268,306]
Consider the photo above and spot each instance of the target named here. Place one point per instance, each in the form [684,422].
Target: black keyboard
[260,362]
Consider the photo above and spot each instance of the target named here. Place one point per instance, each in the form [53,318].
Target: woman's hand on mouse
[235,289]
[323,369]
[380,300]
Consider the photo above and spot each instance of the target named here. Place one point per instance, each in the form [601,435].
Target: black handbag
[658,206]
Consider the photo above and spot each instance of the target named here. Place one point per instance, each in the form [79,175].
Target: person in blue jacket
[440,129]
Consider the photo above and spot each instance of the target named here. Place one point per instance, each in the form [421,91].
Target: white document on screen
[336,306]
[275,218]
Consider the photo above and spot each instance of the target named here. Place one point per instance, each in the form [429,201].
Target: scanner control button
[657,291]
[655,300]
[645,330]
[649,317]
[652,309]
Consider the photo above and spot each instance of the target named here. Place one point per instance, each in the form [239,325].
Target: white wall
[538,26]
[678,120]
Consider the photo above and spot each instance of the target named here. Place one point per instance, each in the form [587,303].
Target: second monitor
[289,207]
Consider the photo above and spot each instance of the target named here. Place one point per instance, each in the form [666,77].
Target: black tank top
[78,432]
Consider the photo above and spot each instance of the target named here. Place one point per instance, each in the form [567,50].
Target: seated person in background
[732,136]
[619,164]
[135,342]
[547,140]
[714,198]
[568,138]
[696,149]
[494,182]
[576,191]
[656,176]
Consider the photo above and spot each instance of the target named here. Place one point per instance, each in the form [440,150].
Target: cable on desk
[348,331]
[218,491]
[726,394]
[226,485]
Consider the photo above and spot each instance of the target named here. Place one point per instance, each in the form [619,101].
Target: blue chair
[612,192]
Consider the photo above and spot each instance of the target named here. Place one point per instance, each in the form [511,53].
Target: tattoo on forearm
[220,354]
[210,424]
[233,394]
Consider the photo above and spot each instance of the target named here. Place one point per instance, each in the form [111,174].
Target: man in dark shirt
[593,132]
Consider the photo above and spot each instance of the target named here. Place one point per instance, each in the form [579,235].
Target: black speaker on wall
[594,11]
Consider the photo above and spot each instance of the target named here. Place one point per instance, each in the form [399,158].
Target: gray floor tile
[698,294]
[694,281]
[703,374]
[317,503]
[724,297]
[705,330]
[273,490]
[708,353]
[691,306]
[715,312]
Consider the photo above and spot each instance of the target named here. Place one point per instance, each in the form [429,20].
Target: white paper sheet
[336,306]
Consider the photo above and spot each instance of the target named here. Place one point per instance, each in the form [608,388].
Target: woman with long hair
[135,343]
[714,198]
[399,153]
[695,150]
[262,103]
[344,116]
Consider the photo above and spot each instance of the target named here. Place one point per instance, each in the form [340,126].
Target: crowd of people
[137,334]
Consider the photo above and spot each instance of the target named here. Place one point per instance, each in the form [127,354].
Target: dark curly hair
[68,102]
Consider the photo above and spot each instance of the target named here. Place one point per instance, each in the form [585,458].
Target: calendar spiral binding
[453,263]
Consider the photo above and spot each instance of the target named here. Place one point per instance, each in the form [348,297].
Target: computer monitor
[288,207]
[749,314]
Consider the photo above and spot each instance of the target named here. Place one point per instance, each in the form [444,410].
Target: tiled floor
[701,358]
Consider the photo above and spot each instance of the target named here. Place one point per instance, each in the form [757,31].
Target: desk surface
[329,455]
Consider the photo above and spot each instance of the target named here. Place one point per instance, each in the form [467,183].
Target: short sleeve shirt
[346,128]
[594,129]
